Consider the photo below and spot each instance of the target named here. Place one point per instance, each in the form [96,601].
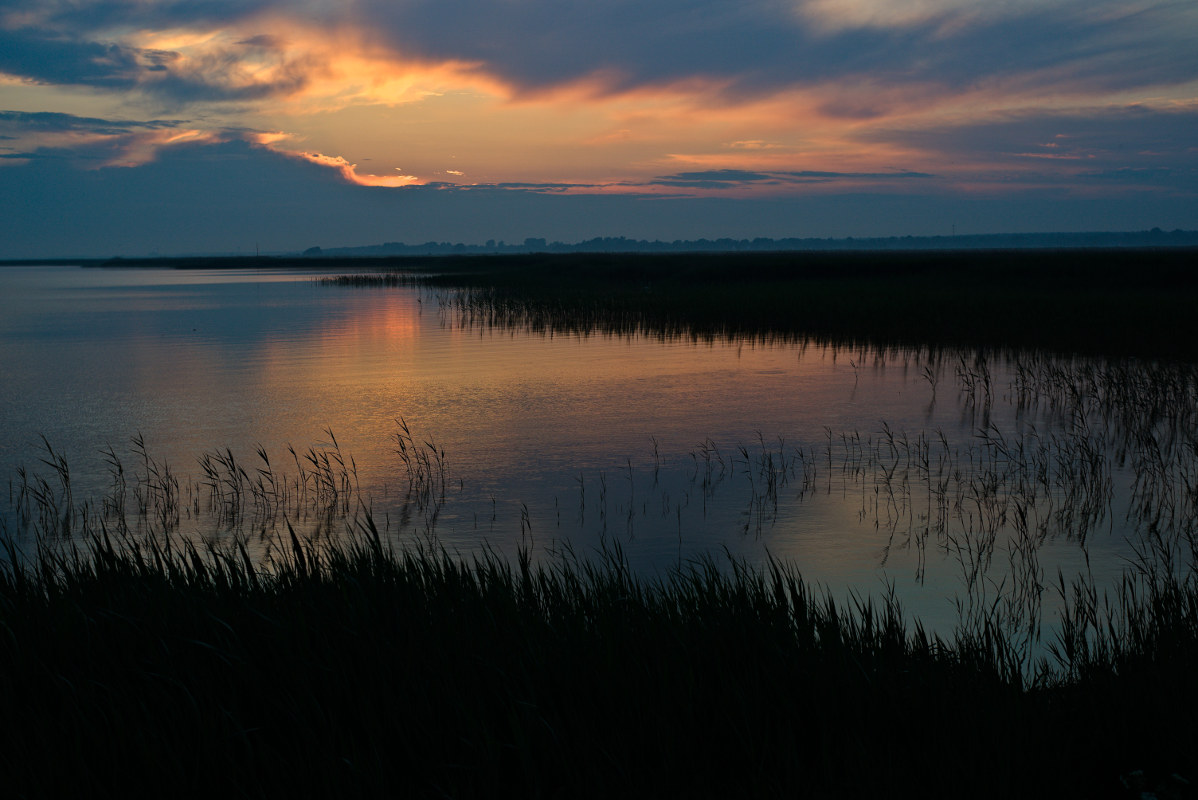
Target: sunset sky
[175,126]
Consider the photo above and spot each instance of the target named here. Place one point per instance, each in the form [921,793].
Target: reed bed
[318,491]
[348,667]
[1106,302]
[1104,455]
[348,659]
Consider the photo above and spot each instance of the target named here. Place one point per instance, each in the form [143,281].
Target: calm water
[864,469]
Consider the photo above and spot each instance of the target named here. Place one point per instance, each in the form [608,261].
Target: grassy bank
[352,669]
[1109,302]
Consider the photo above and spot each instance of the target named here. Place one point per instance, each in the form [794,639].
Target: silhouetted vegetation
[137,660]
[350,665]
[1109,302]
[1114,301]
[351,669]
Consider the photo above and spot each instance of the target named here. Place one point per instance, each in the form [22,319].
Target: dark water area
[240,401]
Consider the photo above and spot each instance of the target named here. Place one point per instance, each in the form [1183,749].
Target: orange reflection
[393,318]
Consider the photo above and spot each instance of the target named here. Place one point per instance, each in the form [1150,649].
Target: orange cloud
[596,130]
[268,138]
[343,89]
[142,148]
[753,144]
[350,172]
[299,68]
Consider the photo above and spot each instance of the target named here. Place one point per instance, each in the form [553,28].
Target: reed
[1116,455]
[1108,302]
[351,667]
[331,653]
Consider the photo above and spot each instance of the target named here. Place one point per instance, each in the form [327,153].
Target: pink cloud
[350,172]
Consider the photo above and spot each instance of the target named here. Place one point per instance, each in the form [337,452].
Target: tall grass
[346,663]
[1110,302]
[1110,463]
[351,668]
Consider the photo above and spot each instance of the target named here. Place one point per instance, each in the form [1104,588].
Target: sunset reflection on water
[672,448]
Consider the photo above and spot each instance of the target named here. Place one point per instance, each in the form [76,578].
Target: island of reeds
[1119,302]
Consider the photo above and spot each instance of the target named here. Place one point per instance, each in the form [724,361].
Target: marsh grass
[348,660]
[1110,461]
[349,667]
[1110,302]
[352,664]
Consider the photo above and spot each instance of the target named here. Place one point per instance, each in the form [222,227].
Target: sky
[132,127]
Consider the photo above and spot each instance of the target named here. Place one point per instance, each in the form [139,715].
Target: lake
[268,398]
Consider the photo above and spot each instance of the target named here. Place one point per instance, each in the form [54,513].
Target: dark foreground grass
[353,670]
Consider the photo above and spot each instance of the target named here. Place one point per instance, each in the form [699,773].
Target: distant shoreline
[1130,240]
[1114,302]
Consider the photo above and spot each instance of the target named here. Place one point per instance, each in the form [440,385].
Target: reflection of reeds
[426,470]
[984,508]
[229,495]
[323,486]
[374,279]
[1134,302]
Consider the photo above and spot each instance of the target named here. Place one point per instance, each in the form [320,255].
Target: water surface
[941,474]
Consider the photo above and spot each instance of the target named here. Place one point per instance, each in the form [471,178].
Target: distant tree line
[620,244]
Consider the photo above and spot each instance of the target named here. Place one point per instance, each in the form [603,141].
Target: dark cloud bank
[234,197]
[749,48]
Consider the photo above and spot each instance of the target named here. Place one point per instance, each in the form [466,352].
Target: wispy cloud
[350,172]
[753,144]
[700,99]
[532,46]
[54,208]
[52,122]
[234,73]
[732,179]
[1033,146]
[95,142]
